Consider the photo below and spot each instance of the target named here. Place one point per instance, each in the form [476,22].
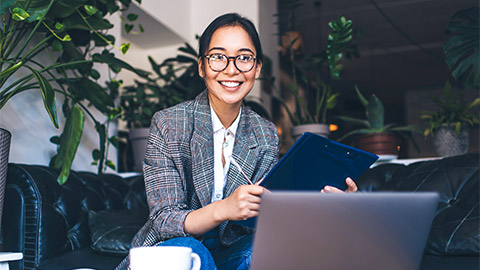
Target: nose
[231,68]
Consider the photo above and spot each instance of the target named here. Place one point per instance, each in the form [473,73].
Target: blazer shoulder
[174,120]
[262,127]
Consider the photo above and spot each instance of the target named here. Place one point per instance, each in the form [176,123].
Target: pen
[234,162]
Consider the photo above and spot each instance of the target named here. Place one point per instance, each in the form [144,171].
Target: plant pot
[4,153]
[320,129]
[138,139]
[448,144]
[385,144]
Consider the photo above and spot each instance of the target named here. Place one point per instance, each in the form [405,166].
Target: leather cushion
[455,229]
[111,231]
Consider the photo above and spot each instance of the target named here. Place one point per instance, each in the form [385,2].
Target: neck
[226,113]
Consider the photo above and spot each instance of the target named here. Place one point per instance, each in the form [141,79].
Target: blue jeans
[214,255]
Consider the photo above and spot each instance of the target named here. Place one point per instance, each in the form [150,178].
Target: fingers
[352,187]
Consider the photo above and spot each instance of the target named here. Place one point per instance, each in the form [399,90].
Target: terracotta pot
[384,144]
[138,139]
[320,129]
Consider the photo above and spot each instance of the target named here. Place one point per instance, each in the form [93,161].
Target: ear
[201,70]
[258,69]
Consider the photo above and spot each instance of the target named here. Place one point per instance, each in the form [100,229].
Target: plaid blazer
[179,168]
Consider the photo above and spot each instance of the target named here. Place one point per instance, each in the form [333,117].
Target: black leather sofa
[86,223]
[89,222]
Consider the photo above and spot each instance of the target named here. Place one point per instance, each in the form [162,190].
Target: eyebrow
[223,49]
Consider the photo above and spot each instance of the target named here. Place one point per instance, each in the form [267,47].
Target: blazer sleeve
[164,185]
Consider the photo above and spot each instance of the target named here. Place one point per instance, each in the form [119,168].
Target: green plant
[318,97]
[71,33]
[462,48]
[451,111]
[176,80]
[374,122]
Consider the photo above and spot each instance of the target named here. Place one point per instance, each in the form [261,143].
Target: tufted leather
[456,227]
[45,220]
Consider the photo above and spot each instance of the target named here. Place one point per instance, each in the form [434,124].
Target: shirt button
[218,196]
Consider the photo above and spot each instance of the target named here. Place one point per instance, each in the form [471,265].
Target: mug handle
[196,261]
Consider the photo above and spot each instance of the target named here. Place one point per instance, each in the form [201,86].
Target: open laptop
[312,230]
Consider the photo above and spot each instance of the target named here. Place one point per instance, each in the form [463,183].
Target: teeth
[230,84]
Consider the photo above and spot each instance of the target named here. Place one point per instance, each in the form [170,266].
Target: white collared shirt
[222,138]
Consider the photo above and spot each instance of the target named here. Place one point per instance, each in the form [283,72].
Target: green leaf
[109,58]
[69,141]
[142,30]
[128,27]
[55,140]
[96,155]
[462,49]
[5,5]
[91,10]
[375,113]
[362,99]
[7,72]
[76,22]
[65,8]
[48,95]
[66,38]
[110,164]
[19,14]
[95,74]
[132,17]
[124,47]
[59,26]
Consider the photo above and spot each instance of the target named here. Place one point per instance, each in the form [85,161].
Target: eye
[217,57]
[245,57]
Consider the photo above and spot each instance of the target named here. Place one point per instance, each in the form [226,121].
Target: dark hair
[230,19]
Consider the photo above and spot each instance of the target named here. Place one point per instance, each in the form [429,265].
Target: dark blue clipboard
[314,162]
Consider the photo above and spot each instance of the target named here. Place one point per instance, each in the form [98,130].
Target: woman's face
[230,86]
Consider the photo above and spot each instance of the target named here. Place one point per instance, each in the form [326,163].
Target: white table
[6,257]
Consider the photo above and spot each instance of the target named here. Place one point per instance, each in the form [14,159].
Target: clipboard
[314,162]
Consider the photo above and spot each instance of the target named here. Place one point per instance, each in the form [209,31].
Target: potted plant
[176,80]
[311,106]
[73,33]
[373,135]
[449,124]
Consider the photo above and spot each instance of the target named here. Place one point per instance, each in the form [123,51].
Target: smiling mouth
[230,84]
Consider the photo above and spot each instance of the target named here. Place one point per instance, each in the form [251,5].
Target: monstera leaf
[462,49]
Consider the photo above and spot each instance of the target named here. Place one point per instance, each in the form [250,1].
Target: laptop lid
[310,230]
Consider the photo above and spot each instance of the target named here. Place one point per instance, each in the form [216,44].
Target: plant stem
[33,31]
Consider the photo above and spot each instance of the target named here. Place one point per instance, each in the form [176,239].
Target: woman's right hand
[243,203]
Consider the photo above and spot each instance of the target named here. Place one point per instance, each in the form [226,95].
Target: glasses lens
[244,62]
[217,62]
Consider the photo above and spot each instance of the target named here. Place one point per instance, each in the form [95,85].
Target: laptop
[312,230]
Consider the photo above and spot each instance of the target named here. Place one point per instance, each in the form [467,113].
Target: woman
[193,190]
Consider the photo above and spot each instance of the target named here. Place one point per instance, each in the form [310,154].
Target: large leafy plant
[318,97]
[374,120]
[451,111]
[74,34]
[176,79]
[462,49]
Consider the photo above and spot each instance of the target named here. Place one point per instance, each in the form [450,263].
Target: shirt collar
[217,125]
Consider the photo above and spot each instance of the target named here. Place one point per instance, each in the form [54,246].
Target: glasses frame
[234,58]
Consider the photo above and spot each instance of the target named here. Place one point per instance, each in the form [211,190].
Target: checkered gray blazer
[179,167]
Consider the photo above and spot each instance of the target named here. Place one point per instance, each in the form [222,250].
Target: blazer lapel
[244,152]
[201,146]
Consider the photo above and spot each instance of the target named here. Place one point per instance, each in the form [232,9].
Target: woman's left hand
[352,187]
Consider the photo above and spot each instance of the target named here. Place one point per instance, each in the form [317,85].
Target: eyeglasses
[218,61]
